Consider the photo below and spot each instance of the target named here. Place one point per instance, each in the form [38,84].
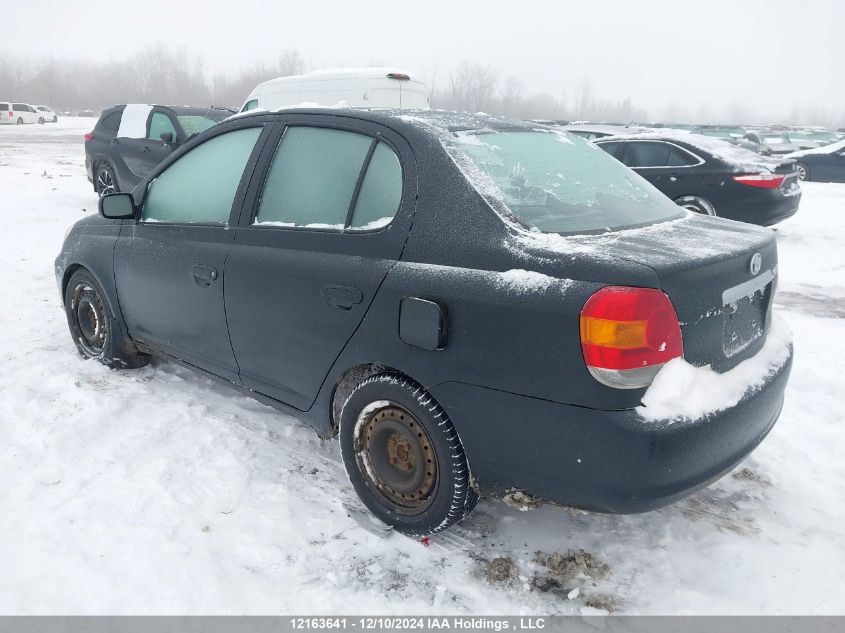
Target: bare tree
[471,87]
[511,96]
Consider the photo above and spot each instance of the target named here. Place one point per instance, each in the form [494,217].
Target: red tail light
[400,76]
[763,181]
[89,136]
[627,334]
[11,114]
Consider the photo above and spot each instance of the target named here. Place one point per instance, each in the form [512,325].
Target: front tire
[803,172]
[404,457]
[696,204]
[93,327]
[105,180]
[40,120]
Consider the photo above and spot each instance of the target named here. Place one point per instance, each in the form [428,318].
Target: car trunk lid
[720,276]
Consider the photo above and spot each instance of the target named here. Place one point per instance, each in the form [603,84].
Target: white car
[46,115]
[343,87]
[17,113]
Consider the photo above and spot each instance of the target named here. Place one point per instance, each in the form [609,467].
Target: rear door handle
[341,297]
[204,275]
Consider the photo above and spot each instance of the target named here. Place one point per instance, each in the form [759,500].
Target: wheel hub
[90,320]
[395,454]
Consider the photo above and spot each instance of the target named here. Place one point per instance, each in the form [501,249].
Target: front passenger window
[200,186]
[160,124]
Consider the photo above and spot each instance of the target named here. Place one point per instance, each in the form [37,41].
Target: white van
[344,87]
[17,113]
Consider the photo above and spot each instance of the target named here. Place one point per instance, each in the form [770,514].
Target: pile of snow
[681,390]
[522,281]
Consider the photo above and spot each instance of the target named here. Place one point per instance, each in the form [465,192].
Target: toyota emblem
[755,264]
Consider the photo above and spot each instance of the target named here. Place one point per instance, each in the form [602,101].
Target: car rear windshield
[559,183]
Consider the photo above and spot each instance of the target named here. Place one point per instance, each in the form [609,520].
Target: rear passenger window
[160,124]
[312,178]
[678,158]
[111,122]
[381,191]
[200,187]
[646,154]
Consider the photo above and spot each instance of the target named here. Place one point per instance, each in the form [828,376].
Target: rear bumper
[89,169]
[765,211]
[604,461]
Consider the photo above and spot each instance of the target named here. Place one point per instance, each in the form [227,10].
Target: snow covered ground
[159,491]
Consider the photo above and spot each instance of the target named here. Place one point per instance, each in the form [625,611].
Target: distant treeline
[161,74]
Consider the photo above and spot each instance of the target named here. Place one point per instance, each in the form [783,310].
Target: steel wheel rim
[105,182]
[90,320]
[396,458]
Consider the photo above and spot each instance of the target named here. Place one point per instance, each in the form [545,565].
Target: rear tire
[404,457]
[696,204]
[803,172]
[55,119]
[20,121]
[95,330]
[105,180]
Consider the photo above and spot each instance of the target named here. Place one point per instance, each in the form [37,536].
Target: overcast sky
[768,56]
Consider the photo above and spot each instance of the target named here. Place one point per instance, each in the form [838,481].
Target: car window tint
[381,190]
[312,178]
[610,147]
[250,105]
[4,106]
[19,106]
[677,157]
[646,154]
[111,122]
[160,124]
[201,185]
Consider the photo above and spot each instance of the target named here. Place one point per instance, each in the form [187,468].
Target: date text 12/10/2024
[398,623]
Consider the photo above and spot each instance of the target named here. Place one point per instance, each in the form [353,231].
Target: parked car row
[817,153]
[12,113]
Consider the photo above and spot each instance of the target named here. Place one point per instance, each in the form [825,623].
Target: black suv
[129,140]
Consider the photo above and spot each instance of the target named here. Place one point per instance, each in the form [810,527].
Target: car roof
[331,74]
[174,108]
[615,130]
[443,120]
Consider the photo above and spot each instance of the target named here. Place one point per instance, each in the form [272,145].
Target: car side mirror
[117,206]
[167,137]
